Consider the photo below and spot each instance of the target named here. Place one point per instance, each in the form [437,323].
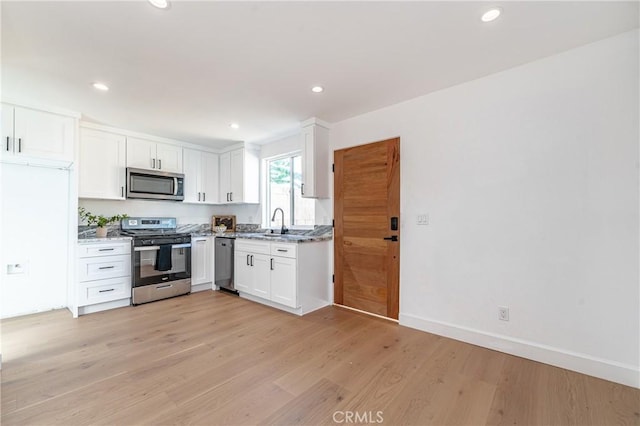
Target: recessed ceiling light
[160,4]
[100,86]
[491,14]
[317,89]
[234,125]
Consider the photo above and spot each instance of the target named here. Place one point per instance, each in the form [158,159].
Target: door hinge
[333,168]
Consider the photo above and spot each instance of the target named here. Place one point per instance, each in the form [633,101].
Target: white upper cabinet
[145,154]
[239,177]
[200,177]
[102,165]
[315,160]
[33,134]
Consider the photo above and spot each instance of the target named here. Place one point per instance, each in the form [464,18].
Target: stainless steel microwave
[154,185]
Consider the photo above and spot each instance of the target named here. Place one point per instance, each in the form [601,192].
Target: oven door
[145,260]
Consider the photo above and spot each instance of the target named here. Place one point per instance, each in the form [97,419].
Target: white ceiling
[187,72]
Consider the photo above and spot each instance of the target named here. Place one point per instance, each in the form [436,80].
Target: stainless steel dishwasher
[224,263]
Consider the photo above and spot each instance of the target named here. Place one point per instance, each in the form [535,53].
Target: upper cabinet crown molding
[42,107]
[315,121]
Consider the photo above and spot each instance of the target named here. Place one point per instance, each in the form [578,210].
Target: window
[284,179]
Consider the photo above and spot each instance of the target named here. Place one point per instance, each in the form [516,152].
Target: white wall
[530,180]
[34,210]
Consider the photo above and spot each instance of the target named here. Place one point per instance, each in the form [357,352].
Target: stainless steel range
[161,258]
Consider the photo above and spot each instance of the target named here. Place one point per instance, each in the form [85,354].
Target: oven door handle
[149,248]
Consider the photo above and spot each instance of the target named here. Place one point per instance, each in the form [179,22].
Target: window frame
[267,210]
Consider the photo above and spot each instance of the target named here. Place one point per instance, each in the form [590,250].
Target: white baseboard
[605,369]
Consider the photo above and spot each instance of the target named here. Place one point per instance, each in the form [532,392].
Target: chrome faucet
[283,230]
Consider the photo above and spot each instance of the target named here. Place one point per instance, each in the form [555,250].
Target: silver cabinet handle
[107,249]
[122,191]
[272,263]
[227,196]
[204,196]
[251,260]
[198,196]
[248,264]
[159,164]
[8,143]
[153,163]
[104,291]
[283,250]
[231,196]
[164,286]
[19,144]
[302,189]
[106,267]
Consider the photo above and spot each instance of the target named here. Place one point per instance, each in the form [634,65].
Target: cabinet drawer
[107,249]
[104,290]
[253,246]
[284,250]
[99,268]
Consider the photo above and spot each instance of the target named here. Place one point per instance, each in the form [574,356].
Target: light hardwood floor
[214,359]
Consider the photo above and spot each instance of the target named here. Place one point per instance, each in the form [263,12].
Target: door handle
[302,189]
[204,196]
[198,196]
[251,260]
[19,144]
[391,238]
[272,263]
[248,264]
[153,163]
[159,164]
[231,196]
[7,143]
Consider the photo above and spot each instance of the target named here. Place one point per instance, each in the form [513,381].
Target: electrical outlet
[422,219]
[503,313]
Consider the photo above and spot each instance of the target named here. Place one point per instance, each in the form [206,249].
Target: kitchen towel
[163,258]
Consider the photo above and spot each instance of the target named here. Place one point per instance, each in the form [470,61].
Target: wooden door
[367,256]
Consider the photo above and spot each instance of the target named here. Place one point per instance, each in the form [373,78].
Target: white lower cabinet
[104,275]
[292,277]
[202,263]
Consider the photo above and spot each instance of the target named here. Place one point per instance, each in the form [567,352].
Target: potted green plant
[99,220]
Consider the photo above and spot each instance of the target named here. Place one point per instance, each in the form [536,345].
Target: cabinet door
[315,162]
[43,135]
[308,172]
[243,273]
[169,158]
[237,176]
[201,260]
[261,275]
[225,176]
[141,153]
[7,130]
[102,165]
[209,176]
[283,281]
[192,176]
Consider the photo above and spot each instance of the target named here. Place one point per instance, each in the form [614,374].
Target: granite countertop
[286,238]
[94,239]
[86,235]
